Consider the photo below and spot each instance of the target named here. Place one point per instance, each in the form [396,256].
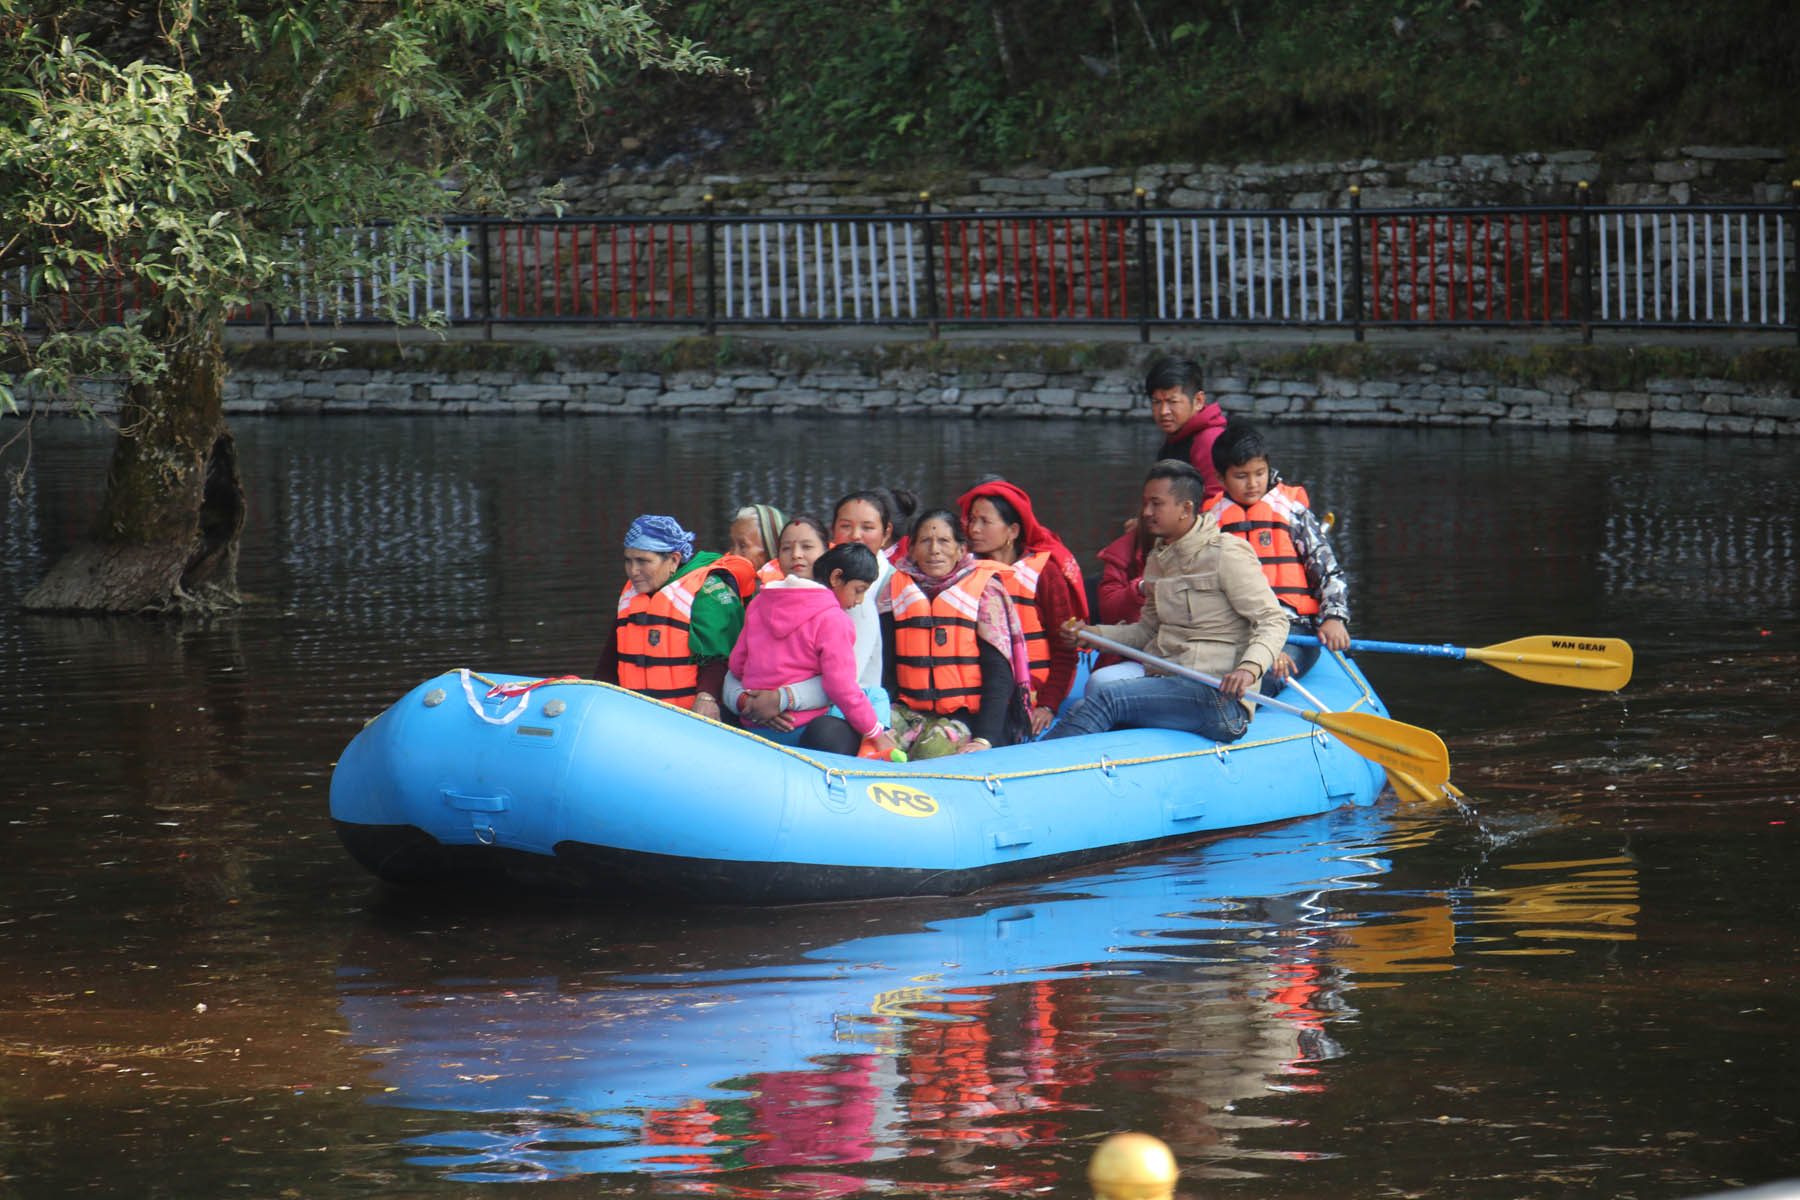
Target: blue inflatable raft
[578,786]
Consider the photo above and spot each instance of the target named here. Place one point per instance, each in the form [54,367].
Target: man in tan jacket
[1207,605]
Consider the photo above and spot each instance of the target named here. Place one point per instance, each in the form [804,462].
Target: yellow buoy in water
[1132,1166]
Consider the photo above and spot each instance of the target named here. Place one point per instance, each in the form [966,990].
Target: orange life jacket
[1268,526]
[771,571]
[654,656]
[1022,585]
[937,655]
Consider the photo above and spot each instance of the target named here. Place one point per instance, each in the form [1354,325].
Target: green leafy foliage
[196,159]
[1077,82]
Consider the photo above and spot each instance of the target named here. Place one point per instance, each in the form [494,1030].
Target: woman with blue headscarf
[679,614]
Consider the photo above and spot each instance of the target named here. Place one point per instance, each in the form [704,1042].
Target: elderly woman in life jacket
[956,659]
[679,614]
[1045,585]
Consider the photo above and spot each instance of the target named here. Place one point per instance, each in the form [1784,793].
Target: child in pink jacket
[797,628]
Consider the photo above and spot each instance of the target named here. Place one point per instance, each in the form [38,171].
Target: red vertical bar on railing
[1105,271]
[1087,268]
[1031,240]
[1544,238]
[1431,267]
[1069,265]
[1468,268]
[632,259]
[669,245]
[690,269]
[962,237]
[1487,262]
[1000,269]
[1506,251]
[612,237]
[1394,267]
[593,270]
[1565,266]
[1412,268]
[556,267]
[1525,291]
[1450,264]
[981,249]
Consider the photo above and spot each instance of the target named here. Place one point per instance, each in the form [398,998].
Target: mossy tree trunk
[166,537]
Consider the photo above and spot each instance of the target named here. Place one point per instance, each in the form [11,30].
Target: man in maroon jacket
[1190,425]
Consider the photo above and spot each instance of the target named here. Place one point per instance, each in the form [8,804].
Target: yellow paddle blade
[1393,744]
[1409,788]
[1598,664]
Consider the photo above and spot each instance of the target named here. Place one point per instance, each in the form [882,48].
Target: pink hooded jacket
[794,629]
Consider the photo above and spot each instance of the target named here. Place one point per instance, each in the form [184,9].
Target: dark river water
[1583,982]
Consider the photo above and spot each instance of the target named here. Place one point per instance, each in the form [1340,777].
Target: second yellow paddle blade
[1418,752]
[1597,664]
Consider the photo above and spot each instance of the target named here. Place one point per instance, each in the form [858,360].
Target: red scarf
[1034,537]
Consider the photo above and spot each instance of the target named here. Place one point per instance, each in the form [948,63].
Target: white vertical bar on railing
[1762,267]
[1674,267]
[912,291]
[1231,261]
[1605,260]
[1285,309]
[875,277]
[1656,265]
[1637,262]
[1624,295]
[762,264]
[837,273]
[781,269]
[745,288]
[1212,260]
[1744,255]
[1269,270]
[1302,225]
[1693,271]
[1194,263]
[855,275]
[800,269]
[1725,224]
[1319,264]
[819,265]
[1161,309]
[893,275]
[1707,229]
[727,258]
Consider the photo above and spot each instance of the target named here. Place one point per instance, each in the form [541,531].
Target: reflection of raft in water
[586,787]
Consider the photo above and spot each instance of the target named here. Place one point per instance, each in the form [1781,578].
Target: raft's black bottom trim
[407,855]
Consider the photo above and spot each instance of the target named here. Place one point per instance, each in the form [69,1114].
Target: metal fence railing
[1727,267]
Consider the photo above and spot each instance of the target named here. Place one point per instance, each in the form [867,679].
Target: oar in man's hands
[1418,752]
[1598,664]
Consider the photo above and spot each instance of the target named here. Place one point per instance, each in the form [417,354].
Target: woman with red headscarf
[1045,584]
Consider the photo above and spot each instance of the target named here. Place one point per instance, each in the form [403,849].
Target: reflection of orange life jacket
[937,657]
[1022,585]
[654,658]
[1268,526]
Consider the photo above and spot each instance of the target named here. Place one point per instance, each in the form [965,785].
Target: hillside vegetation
[898,83]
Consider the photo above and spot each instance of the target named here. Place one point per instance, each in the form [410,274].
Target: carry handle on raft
[1394,744]
[1598,664]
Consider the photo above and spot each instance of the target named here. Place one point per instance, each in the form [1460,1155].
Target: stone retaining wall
[1680,175]
[1091,382]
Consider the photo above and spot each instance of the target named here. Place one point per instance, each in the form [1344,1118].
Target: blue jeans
[1156,702]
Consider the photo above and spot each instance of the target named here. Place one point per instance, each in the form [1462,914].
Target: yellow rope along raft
[1365,698]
